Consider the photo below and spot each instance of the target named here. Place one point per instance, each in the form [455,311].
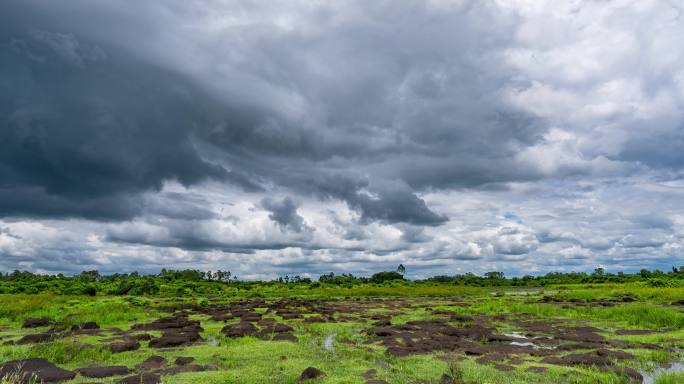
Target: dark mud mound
[100,372]
[311,373]
[36,322]
[176,331]
[40,370]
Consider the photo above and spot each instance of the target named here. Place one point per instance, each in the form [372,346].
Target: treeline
[167,282]
[656,278]
[190,282]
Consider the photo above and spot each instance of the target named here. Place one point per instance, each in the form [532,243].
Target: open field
[570,334]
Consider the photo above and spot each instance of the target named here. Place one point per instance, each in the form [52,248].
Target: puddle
[213,341]
[528,344]
[328,342]
[527,341]
[524,292]
[517,335]
[520,335]
[652,376]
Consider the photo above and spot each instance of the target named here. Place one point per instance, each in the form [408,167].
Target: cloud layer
[300,137]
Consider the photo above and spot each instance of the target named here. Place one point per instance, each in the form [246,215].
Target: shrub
[381,277]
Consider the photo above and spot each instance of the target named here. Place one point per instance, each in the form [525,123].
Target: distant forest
[189,282]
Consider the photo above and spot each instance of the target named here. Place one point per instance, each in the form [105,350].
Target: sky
[274,138]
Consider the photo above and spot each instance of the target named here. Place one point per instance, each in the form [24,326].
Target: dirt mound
[36,322]
[311,373]
[632,332]
[179,321]
[36,338]
[184,368]
[589,337]
[285,337]
[153,362]
[182,360]
[87,328]
[40,369]
[591,358]
[486,359]
[427,336]
[176,330]
[618,355]
[170,339]
[243,328]
[100,372]
[124,346]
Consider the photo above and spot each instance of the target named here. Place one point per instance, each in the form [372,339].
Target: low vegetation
[210,327]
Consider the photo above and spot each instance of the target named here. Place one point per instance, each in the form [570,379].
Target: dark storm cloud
[104,103]
[284,212]
[660,151]
[83,139]
[185,235]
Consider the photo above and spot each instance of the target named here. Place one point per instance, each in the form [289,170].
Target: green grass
[670,378]
[70,310]
[251,360]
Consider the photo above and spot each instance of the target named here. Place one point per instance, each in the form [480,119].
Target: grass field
[565,334]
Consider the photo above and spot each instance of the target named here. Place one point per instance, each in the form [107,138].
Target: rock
[99,372]
[311,373]
[41,369]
